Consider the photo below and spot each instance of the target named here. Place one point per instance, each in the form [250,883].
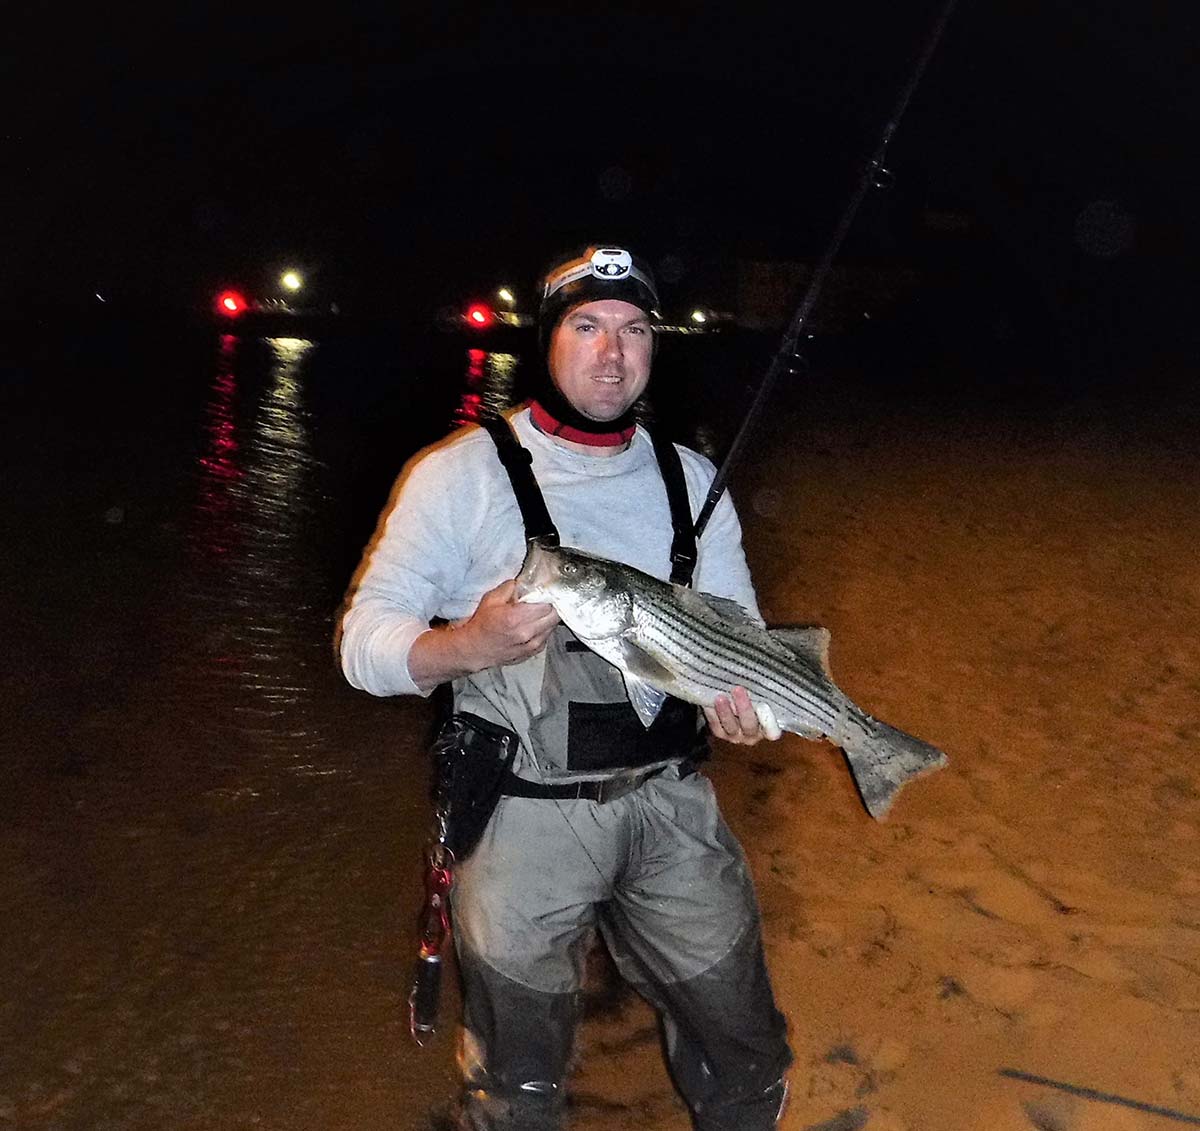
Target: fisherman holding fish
[604,820]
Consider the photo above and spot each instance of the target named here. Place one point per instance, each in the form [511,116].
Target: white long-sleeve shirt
[454,531]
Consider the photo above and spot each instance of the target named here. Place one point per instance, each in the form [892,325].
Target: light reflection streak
[281,448]
[253,588]
[488,385]
[221,470]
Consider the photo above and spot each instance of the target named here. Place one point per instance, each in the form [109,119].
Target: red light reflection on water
[487,385]
[471,402]
[220,469]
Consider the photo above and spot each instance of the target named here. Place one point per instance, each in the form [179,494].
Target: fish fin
[724,607]
[883,759]
[809,642]
[647,701]
[638,667]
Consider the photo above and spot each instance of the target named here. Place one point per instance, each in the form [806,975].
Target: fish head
[585,591]
[539,572]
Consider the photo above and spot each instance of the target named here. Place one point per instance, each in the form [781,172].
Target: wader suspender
[540,527]
[683,545]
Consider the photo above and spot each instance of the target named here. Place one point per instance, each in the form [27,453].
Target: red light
[480,316]
[230,303]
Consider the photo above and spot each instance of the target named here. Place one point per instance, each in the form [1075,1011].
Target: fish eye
[570,568]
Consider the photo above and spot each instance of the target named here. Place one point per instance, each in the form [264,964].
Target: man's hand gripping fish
[669,640]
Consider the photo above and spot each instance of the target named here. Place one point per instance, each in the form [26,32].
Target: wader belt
[540,527]
[599,790]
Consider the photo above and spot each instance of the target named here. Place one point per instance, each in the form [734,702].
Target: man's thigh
[524,901]
[686,896]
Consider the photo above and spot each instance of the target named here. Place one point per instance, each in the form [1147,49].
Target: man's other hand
[733,718]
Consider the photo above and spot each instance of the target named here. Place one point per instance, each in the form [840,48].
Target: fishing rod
[435,920]
[874,173]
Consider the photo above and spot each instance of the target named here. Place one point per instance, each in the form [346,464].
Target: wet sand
[1018,945]
[192,944]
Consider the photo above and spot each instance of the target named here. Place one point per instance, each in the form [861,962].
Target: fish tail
[884,759]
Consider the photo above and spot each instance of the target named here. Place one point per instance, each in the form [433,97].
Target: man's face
[600,357]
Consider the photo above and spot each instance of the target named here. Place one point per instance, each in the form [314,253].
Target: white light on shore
[291,280]
[505,295]
[699,316]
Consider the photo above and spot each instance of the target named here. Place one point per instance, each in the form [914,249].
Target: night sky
[409,155]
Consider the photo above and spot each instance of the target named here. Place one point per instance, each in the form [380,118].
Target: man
[644,857]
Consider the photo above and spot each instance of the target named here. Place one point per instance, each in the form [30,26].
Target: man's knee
[727,1041]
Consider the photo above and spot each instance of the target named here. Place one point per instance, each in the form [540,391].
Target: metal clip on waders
[425,994]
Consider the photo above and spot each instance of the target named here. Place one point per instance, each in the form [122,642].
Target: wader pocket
[610,736]
[471,758]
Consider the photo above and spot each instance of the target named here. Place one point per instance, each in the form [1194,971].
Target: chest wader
[586,723]
[643,855]
[586,713]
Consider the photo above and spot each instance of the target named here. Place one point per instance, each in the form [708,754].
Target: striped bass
[670,640]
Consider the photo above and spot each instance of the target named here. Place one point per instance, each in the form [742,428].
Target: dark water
[210,843]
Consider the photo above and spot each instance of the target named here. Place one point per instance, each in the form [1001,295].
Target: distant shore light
[699,316]
[480,315]
[230,303]
[291,280]
[505,295]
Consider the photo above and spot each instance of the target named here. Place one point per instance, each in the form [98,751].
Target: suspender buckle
[683,565]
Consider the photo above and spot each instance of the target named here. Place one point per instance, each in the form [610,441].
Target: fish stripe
[714,658]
